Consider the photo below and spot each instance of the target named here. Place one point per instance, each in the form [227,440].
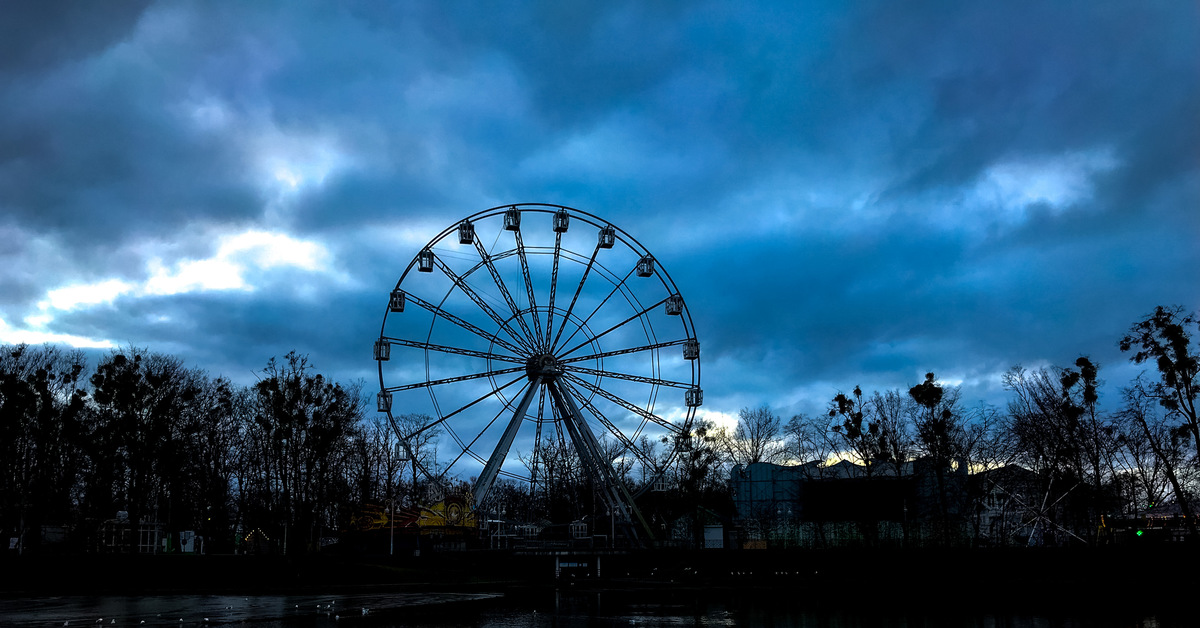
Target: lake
[547,607]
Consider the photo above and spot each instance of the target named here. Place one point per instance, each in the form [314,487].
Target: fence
[849,534]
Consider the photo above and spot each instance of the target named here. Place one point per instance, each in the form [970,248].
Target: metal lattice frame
[506,364]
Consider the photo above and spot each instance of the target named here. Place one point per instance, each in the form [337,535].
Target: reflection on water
[724,607]
[775,608]
[185,611]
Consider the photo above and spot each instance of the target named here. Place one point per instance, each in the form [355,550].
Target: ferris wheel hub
[543,366]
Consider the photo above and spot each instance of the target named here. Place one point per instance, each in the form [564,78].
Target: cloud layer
[845,193]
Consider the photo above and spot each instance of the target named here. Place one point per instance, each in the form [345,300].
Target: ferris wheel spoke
[466,451]
[455,350]
[440,313]
[634,408]
[582,437]
[616,352]
[492,393]
[530,339]
[608,425]
[553,287]
[466,447]
[524,391]
[613,328]
[616,288]
[641,379]
[484,484]
[537,437]
[537,325]
[612,488]
[578,289]
[634,434]
[466,289]
[453,380]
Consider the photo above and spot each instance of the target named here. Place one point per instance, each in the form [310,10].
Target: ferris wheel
[529,325]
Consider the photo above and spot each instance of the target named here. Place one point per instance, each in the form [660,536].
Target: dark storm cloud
[38,35]
[845,193]
[97,145]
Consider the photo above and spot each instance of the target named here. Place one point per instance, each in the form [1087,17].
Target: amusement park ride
[528,325]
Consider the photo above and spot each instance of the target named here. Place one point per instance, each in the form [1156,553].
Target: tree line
[1118,461]
[141,437]
[295,457]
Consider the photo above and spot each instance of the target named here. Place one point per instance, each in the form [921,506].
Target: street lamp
[392,523]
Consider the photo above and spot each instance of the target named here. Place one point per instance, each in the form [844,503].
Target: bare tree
[383,461]
[417,444]
[1149,454]
[699,474]
[758,437]
[1166,441]
[311,423]
[941,437]
[205,461]
[1052,435]
[557,489]
[985,444]
[938,420]
[648,469]
[139,396]
[617,455]
[985,447]
[1046,441]
[1163,338]
[809,440]
[41,409]
[862,435]
[892,413]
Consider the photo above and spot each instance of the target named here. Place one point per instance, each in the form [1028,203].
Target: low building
[815,505]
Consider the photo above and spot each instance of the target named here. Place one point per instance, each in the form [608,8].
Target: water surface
[858,608]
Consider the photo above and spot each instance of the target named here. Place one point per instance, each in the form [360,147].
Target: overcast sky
[844,192]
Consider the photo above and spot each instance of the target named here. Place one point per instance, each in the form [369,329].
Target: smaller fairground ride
[447,522]
[532,325]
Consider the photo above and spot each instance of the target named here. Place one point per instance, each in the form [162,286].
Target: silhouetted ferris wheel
[528,325]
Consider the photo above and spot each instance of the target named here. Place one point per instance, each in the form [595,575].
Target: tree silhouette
[1163,338]
[758,437]
[40,414]
[1147,428]
[139,396]
[311,423]
[940,434]
[864,437]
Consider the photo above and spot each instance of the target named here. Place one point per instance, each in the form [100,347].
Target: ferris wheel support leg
[484,484]
[616,494]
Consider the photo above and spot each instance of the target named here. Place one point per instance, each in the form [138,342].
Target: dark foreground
[1134,586]
[564,607]
[1163,568]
